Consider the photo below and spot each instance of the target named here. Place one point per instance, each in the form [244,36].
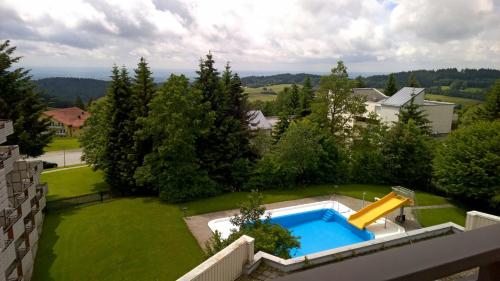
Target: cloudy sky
[254,35]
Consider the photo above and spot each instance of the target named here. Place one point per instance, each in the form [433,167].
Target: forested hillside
[466,83]
[61,92]
[286,78]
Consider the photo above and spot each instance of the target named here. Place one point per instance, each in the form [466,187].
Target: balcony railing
[9,217]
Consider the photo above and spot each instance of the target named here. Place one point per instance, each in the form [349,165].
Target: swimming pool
[321,230]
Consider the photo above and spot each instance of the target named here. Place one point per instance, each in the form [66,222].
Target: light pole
[364,193]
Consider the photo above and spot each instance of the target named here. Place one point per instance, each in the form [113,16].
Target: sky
[272,35]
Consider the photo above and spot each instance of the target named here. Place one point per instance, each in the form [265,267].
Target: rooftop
[71,116]
[371,94]
[403,96]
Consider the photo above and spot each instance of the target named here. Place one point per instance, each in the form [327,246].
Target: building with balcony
[66,122]
[22,204]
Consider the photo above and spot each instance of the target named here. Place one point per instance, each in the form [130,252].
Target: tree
[281,126]
[94,137]
[415,112]
[492,105]
[177,119]
[467,164]
[412,81]
[269,237]
[306,97]
[143,86]
[79,103]
[89,103]
[367,157]
[336,108]
[224,149]
[294,100]
[304,154]
[360,82]
[144,89]
[120,152]
[408,155]
[391,86]
[20,103]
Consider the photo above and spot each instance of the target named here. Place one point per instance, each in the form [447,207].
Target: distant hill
[465,83]
[62,91]
[286,78]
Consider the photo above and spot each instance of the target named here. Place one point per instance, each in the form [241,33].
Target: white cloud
[287,35]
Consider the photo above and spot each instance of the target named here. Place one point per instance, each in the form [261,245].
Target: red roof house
[67,121]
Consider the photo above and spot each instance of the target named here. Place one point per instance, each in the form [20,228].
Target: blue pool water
[321,230]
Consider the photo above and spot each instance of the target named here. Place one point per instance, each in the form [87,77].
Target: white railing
[477,219]
[226,265]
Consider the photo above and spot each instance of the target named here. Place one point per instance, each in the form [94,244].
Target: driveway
[63,157]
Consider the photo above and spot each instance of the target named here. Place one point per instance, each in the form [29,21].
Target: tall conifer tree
[391,87]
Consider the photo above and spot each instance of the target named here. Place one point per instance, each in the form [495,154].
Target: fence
[79,200]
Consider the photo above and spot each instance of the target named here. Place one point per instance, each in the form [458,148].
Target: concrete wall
[226,265]
[440,115]
[477,219]
[389,114]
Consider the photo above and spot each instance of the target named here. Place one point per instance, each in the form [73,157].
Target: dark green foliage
[367,157]
[144,89]
[175,122]
[20,103]
[335,108]
[120,152]
[281,127]
[306,97]
[79,103]
[303,155]
[413,111]
[360,82]
[224,150]
[268,108]
[492,105]
[467,164]
[408,154]
[391,86]
[413,82]
[294,100]
[95,136]
[270,238]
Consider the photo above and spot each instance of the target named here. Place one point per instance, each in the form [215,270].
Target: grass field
[457,100]
[144,239]
[73,182]
[62,143]
[430,217]
[260,94]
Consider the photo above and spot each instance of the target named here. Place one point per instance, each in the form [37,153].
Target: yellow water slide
[377,209]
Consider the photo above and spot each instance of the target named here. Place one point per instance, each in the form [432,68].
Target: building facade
[22,206]
[66,122]
[440,114]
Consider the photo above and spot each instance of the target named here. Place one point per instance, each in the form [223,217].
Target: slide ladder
[377,209]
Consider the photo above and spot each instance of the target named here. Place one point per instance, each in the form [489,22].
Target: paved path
[62,158]
[433,207]
[63,169]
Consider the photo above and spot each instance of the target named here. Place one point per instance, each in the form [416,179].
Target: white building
[22,203]
[440,114]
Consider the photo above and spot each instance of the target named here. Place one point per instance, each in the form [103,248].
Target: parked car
[48,165]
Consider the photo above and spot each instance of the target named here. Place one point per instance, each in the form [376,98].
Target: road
[62,158]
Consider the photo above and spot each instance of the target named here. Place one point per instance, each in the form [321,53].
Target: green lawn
[463,101]
[126,239]
[430,217]
[144,239]
[62,143]
[73,182]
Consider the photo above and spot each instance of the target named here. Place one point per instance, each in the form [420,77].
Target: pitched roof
[258,120]
[403,96]
[371,94]
[71,116]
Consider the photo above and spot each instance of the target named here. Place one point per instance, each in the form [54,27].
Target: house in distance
[66,122]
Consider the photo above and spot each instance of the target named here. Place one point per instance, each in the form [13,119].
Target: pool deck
[198,225]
